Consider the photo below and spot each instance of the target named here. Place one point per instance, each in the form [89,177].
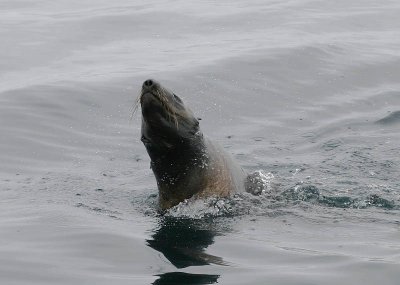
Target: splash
[259,182]
[311,194]
[198,209]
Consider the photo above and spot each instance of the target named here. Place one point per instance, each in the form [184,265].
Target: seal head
[167,124]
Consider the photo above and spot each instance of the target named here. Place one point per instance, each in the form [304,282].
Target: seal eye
[177,98]
[145,140]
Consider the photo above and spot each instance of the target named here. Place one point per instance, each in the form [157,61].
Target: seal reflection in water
[185,163]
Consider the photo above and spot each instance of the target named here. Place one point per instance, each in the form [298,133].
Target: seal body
[185,163]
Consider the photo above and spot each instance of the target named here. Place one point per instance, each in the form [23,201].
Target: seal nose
[148,83]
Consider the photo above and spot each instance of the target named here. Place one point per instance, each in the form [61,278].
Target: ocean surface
[304,93]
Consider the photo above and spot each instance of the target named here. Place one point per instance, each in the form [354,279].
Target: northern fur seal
[185,163]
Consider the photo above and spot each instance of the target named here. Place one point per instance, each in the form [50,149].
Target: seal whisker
[134,107]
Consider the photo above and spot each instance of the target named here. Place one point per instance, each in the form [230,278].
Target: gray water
[305,93]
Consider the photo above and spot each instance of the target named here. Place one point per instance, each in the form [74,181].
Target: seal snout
[148,83]
[149,87]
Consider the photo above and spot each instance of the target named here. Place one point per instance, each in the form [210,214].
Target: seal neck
[179,173]
[180,159]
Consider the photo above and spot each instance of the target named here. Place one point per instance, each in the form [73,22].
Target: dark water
[306,94]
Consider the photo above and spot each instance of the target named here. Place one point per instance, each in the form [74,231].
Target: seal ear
[198,118]
[195,127]
[177,98]
[144,139]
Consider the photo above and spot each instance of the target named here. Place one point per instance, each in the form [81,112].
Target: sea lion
[185,163]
